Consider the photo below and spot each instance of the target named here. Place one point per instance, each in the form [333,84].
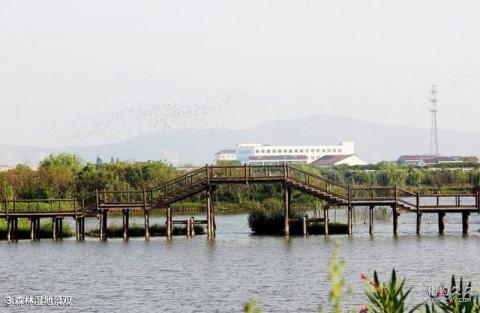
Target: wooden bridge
[207,178]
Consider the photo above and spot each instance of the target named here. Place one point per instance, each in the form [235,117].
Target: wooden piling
[370,219]
[125,223]
[304,220]
[208,204]
[395,216]
[103,225]
[12,224]
[15,229]
[419,223]
[189,228]
[60,227]
[212,212]
[169,222]
[146,217]
[54,229]
[10,236]
[33,229]
[82,228]
[326,220]
[441,223]
[192,224]
[349,220]
[465,222]
[77,229]
[287,200]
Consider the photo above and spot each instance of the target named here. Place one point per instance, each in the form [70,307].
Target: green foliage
[23,230]
[458,299]
[387,297]
[252,307]
[116,231]
[336,266]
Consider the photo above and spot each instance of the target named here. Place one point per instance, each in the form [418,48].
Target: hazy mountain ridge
[373,142]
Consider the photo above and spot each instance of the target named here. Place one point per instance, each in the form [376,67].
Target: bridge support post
[38,229]
[54,228]
[419,223]
[33,229]
[209,218]
[325,220]
[349,219]
[146,217]
[304,221]
[10,236]
[60,227]
[12,229]
[125,223]
[465,222]
[189,227]
[103,224]
[370,219]
[395,215]
[441,223]
[169,222]
[210,213]
[288,199]
[80,228]
[192,225]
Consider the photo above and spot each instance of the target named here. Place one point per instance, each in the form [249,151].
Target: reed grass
[135,230]
[23,230]
[273,223]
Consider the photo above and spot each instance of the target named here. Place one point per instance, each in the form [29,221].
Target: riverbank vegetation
[23,230]
[66,176]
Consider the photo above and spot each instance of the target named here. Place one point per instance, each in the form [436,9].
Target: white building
[226,155]
[262,154]
[334,160]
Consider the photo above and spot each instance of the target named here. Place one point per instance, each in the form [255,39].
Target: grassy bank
[23,230]
[273,223]
[116,231]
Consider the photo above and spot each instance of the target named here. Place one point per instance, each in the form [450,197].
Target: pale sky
[87,72]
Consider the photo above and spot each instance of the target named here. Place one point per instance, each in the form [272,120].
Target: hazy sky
[84,72]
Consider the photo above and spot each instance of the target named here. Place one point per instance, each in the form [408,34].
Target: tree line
[66,175]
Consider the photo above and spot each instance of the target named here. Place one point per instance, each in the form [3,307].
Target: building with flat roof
[427,159]
[279,154]
[226,155]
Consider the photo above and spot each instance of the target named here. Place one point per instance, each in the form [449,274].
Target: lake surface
[198,275]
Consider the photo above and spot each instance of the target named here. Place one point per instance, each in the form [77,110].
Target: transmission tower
[434,126]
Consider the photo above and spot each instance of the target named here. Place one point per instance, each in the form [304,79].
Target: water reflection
[200,275]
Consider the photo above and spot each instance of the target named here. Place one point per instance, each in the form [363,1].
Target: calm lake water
[197,275]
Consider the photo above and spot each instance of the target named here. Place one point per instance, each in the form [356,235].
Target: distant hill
[373,142]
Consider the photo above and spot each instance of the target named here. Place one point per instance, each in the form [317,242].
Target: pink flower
[363,276]
[363,309]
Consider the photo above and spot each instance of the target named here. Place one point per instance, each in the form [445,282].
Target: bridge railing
[179,184]
[317,182]
[455,200]
[372,193]
[245,172]
[407,197]
[124,197]
[70,205]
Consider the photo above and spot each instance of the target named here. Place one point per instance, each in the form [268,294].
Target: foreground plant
[252,307]
[336,266]
[387,297]
[457,299]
